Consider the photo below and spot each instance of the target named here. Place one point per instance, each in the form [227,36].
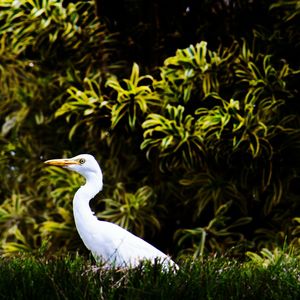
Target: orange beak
[62,162]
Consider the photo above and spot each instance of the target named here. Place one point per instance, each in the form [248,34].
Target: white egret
[108,242]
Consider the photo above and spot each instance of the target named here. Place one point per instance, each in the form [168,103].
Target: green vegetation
[200,151]
[213,278]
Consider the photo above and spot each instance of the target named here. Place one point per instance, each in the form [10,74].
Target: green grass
[218,278]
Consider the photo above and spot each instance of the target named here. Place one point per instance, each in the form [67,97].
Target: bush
[200,157]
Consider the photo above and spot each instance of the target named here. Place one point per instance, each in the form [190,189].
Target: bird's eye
[81,161]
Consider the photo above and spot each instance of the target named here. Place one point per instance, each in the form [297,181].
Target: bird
[109,243]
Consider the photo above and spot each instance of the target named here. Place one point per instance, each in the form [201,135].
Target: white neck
[83,215]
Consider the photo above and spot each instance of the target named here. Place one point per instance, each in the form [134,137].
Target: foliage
[132,100]
[131,211]
[268,257]
[54,32]
[199,155]
[46,47]
[16,212]
[89,102]
[217,229]
[174,136]
[215,278]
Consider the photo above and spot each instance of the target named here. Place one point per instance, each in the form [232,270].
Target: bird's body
[108,242]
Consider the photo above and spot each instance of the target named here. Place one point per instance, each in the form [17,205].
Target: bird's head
[84,164]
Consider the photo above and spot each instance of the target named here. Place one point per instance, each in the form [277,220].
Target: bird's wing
[124,248]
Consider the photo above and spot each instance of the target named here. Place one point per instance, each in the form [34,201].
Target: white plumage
[108,242]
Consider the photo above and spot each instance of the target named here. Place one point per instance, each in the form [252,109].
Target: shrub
[205,151]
